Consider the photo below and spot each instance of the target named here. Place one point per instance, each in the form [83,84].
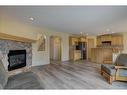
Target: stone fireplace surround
[6,45]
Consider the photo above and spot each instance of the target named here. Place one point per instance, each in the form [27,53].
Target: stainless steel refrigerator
[83,48]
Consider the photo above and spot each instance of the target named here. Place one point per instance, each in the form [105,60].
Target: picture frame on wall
[41,42]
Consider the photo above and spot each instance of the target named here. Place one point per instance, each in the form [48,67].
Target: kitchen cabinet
[98,40]
[115,39]
[102,55]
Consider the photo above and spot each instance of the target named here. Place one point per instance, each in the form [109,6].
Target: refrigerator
[83,48]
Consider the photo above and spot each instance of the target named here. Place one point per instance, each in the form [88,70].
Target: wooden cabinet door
[93,55]
[98,41]
[90,46]
[108,38]
[102,38]
[74,41]
[117,40]
[120,40]
[83,39]
[114,39]
[107,54]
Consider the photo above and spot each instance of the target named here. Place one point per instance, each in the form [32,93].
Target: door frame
[51,47]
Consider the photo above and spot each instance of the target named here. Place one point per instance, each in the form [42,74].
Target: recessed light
[31,18]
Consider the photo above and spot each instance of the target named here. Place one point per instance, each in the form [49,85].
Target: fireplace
[16,59]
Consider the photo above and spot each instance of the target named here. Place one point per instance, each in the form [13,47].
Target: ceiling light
[81,33]
[45,36]
[107,30]
[31,18]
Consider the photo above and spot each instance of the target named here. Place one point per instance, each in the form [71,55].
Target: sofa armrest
[120,67]
[118,70]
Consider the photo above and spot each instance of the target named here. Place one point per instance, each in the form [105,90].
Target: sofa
[27,80]
[117,70]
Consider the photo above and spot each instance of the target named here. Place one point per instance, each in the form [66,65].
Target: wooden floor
[78,75]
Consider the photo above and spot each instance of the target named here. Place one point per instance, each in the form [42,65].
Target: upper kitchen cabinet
[98,40]
[110,39]
[117,40]
[105,38]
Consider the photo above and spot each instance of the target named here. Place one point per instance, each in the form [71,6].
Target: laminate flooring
[74,75]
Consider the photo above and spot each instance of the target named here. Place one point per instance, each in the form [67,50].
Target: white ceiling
[72,19]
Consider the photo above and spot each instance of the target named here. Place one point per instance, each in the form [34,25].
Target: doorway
[55,49]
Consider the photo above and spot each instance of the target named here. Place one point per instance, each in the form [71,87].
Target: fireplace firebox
[16,59]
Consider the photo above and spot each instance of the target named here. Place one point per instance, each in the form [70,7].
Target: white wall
[44,56]
[17,28]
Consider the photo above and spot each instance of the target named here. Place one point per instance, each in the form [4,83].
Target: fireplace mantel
[15,38]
